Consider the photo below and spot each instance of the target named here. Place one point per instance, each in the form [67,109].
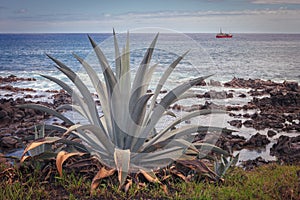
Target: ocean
[256,56]
[263,56]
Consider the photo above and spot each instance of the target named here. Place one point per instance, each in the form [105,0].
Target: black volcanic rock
[287,149]
[257,140]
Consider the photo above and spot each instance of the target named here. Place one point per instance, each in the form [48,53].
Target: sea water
[256,56]
[263,56]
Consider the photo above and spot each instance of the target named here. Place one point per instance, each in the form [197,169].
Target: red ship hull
[223,36]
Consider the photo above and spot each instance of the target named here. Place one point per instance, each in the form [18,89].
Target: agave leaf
[100,89]
[122,161]
[47,110]
[160,109]
[34,144]
[62,156]
[76,97]
[137,89]
[235,159]
[96,137]
[52,127]
[147,80]
[117,57]
[158,158]
[93,136]
[137,116]
[186,96]
[164,78]
[125,70]
[97,83]
[210,147]
[73,107]
[43,156]
[112,88]
[72,128]
[65,86]
[109,76]
[179,120]
[185,131]
[171,142]
[138,111]
[83,90]
[102,173]
[75,144]
[191,115]
[163,160]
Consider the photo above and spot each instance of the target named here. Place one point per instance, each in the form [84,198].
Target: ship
[223,35]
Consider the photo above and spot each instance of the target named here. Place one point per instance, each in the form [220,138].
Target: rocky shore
[17,125]
[274,108]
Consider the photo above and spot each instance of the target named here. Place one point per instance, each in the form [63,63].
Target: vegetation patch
[272,181]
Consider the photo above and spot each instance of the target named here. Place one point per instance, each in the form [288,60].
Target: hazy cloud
[22,11]
[276,1]
[177,14]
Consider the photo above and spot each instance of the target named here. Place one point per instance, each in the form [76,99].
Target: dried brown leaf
[62,156]
[34,144]
[180,175]
[102,173]
[150,176]
[196,165]
[128,185]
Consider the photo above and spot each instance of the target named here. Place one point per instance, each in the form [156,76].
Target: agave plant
[124,138]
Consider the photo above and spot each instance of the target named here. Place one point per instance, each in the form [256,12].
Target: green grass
[267,182]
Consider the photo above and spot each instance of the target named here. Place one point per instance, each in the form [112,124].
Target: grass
[266,182]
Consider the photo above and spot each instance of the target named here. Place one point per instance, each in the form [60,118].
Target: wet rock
[28,96]
[16,89]
[13,78]
[236,123]
[229,95]
[230,142]
[3,114]
[257,140]
[287,149]
[250,83]
[257,92]
[242,96]
[234,108]
[225,140]
[218,95]
[61,98]
[292,86]
[273,109]
[251,164]
[271,133]
[8,142]
[246,115]
[248,123]
[215,83]
[202,83]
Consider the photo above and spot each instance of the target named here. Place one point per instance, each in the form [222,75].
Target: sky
[94,16]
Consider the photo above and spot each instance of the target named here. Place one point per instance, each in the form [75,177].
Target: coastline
[273,113]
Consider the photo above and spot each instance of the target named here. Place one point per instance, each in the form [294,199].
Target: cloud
[258,20]
[22,11]
[275,1]
[181,14]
